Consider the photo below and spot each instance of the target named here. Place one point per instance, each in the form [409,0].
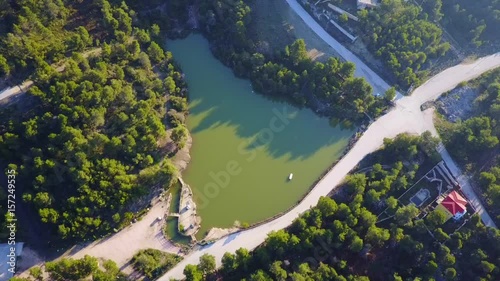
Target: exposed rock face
[458,104]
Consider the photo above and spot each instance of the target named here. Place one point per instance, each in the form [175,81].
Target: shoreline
[232,230]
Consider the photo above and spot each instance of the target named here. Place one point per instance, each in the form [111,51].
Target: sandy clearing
[120,247]
[23,88]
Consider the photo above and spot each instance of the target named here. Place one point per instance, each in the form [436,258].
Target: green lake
[245,145]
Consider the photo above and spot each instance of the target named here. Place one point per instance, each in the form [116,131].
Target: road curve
[362,70]
[14,91]
[23,88]
[404,117]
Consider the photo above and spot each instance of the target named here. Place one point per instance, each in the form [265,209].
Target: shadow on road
[231,238]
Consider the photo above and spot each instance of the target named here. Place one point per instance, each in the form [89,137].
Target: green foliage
[491,182]
[356,244]
[472,23]
[179,136]
[96,139]
[406,214]
[436,218]
[329,88]
[405,146]
[154,263]
[404,39]
[206,267]
[69,269]
[377,236]
[277,271]
[344,18]
[36,272]
[192,273]
[35,35]
[155,52]
[4,66]
[472,137]
[80,269]
[433,9]
[390,94]
[207,264]
[5,217]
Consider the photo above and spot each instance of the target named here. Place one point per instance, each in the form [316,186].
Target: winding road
[16,91]
[406,116]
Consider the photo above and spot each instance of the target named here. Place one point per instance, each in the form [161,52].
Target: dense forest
[472,23]
[89,268]
[475,141]
[328,88]
[154,263]
[403,38]
[97,136]
[344,238]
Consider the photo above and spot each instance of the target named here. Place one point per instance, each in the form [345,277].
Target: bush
[154,263]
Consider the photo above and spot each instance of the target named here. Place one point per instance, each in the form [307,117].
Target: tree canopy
[343,239]
[329,88]
[472,23]
[96,138]
[397,33]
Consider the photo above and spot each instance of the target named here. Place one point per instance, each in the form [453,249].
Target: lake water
[245,145]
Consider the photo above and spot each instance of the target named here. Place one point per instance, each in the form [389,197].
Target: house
[362,4]
[454,205]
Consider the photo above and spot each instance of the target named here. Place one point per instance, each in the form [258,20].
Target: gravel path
[404,117]
[146,233]
[23,88]
[14,91]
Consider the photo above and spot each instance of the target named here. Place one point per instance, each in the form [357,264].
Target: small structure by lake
[245,144]
[453,205]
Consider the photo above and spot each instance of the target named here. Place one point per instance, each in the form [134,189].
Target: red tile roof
[454,203]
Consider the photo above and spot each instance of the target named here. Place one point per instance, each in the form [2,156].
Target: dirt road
[404,117]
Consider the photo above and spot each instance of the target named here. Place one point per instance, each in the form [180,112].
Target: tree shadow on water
[225,100]
[276,127]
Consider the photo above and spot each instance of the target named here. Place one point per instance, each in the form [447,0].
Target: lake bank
[245,146]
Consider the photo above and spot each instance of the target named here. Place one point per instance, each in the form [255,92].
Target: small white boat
[290,177]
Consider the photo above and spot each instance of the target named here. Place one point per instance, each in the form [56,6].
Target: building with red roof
[454,205]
